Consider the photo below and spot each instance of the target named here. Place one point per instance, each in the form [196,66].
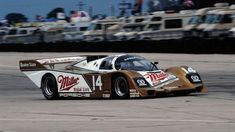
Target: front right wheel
[120,88]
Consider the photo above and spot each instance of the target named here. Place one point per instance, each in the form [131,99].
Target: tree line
[14,17]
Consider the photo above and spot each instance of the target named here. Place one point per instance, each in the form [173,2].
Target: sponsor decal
[132,58]
[188,70]
[106,95]
[171,87]
[155,78]
[74,95]
[27,64]
[194,78]
[67,82]
[141,82]
[191,70]
[81,90]
[134,93]
[59,60]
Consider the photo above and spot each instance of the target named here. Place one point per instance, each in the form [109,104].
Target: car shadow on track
[138,98]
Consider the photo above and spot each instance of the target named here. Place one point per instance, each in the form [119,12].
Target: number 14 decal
[96,82]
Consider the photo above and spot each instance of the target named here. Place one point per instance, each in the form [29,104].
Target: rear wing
[41,64]
[59,60]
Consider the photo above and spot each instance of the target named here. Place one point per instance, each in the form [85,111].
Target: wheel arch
[49,86]
[44,76]
[128,78]
[129,75]
[116,74]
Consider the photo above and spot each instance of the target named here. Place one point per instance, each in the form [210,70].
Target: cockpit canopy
[127,62]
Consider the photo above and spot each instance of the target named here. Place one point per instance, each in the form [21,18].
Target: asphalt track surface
[24,109]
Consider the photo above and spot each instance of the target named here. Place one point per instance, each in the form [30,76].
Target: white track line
[126,120]
[8,66]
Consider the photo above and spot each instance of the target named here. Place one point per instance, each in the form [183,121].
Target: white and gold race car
[116,76]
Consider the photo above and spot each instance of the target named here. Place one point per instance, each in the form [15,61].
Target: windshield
[133,28]
[225,18]
[217,19]
[152,27]
[94,26]
[210,18]
[195,20]
[70,29]
[136,63]
[221,19]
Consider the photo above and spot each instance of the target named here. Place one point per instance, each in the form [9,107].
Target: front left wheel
[120,88]
[49,87]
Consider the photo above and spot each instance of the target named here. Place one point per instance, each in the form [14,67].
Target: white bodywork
[67,82]
[232,33]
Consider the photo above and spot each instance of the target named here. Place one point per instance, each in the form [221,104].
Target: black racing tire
[120,88]
[49,87]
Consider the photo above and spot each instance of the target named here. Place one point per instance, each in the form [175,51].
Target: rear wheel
[120,88]
[49,87]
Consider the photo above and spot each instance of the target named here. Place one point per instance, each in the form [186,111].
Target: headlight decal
[188,70]
[194,78]
[141,82]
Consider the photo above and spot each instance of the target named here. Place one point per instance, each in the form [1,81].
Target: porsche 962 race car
[116,76]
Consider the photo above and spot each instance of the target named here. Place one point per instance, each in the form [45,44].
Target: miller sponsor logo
[66,82]
[156,77]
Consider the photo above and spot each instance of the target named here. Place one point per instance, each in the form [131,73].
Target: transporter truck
[191,29]
[223,22]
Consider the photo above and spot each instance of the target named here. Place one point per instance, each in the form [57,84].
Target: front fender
[189,77]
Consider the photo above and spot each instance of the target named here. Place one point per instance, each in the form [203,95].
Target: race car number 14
[96,82]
